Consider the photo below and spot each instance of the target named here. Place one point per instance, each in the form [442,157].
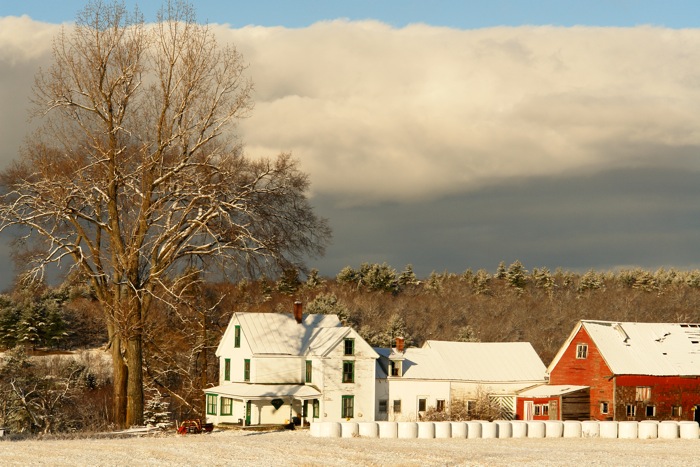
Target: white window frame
[581,351]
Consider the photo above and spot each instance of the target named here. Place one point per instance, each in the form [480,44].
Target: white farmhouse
[276,368]
[412,380]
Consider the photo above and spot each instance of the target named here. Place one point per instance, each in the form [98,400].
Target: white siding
[278,370]
[409,391]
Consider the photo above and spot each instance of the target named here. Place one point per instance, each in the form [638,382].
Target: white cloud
[378,113]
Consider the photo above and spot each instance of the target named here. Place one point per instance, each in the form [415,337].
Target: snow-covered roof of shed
[657,349]
[549,390]
[280,334]
[472,361]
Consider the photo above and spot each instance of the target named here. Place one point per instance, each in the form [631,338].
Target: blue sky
[454,143]
[451,13]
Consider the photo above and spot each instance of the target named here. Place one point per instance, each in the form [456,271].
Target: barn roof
[655,349]
[472,361]
[550,390]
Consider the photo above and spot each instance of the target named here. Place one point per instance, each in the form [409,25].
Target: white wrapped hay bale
[572,429]
[369,430]
[608,429]
[590,429]
[627,429]
[426,430]
[349,429]
[407,430]
[443,430]
[689,430]
[388,429]
[473,430]
[668,430]
[505,429]
[459,430]
[535,429]
[553,428]
[519,429]
[489,430]
[331,430]
[315,429]
[648,429]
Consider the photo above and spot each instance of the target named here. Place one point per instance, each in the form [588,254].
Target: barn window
[651,411]
[440,405]
[397,406]
[545,409]
[631,410]
[538,410]
[676,411]
[471,406]
[383,405]
[582,351]
[604,407]
[422,403]
[643,393]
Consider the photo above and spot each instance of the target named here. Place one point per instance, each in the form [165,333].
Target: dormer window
[395,368]
[582,351]
[349,347]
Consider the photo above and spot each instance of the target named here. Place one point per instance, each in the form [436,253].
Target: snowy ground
[298,448]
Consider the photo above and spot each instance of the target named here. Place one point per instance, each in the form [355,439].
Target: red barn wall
[666,392]
[520,407]
[591,371]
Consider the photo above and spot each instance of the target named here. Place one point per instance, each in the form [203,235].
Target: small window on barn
[582,351]
[471,406]
[538,410]
[651,411]
[422,403]
[643,393]
[545,409]
[631,410]
[676,411]
[397,406]
[440,405]
[383,405]
[604,407]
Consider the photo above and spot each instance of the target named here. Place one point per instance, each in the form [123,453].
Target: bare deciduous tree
[136,173]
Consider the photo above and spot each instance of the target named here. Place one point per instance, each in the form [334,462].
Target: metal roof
[280,334]
[472,361]
[547,390]
[657,349]
[245,391]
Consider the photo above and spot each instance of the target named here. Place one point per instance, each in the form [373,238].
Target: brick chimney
[399,344]
[298,311]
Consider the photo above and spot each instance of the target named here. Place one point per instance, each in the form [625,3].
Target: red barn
[635,371]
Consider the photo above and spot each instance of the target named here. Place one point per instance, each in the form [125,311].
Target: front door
[248,407]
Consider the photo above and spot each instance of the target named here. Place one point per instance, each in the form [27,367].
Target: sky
[453,135]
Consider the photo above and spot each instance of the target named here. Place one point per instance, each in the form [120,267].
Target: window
[537,410]
[383,405]
[211,404]
[604,407]
[582,351]
[421,404]
[246,370]
[237,336]
[309,368]
[631,410]
[227,369]
[440,407]
[397,406]
[348,372]
[226,406]
[545,410]
[394,368]
[348,407]
[471,406]
[316,408]
[676,411]
[349,346]
[651,411]
[643,393]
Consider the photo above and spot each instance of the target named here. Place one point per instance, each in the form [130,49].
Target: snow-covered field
[293,448]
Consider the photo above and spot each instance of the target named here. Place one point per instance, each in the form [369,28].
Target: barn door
[528,409]
[554,409]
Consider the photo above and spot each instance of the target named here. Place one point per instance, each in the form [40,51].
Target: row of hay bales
[508,429]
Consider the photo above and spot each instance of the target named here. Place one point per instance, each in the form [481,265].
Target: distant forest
[511,304]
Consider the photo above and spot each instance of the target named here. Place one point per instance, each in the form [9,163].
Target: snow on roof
[472,361]
[280,334]
[248,391]
[549,390]
[657,349]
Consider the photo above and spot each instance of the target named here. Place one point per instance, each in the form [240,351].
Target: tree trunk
[119,376]
[134,389]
